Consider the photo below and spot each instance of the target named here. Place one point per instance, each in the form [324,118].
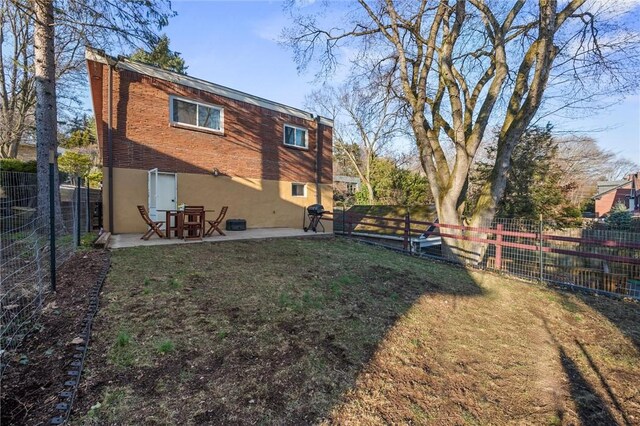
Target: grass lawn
[298,331]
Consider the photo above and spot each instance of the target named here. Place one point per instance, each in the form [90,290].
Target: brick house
[625,191]
[168,139]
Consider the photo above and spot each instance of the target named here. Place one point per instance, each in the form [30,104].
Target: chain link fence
[25,250]
[593,257]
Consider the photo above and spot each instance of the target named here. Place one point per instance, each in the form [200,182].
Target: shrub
[15,165]
[619,217]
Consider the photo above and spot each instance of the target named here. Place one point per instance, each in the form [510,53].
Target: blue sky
[233,43]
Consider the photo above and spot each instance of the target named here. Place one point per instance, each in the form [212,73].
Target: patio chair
[193,222]
[214,225]
[154,225]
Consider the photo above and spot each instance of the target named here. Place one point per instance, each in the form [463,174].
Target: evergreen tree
[161,56]
[619,217]
[534,184]
[395,186]
[82,133]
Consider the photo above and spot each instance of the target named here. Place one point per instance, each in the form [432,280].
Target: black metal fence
[25,249]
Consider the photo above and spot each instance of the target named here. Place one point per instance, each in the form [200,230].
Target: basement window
[196,114]
[298,190]
[295,136]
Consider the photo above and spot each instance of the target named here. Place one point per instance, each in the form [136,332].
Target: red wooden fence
[406,225]
[565,267]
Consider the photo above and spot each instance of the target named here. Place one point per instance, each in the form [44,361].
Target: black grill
[315,212]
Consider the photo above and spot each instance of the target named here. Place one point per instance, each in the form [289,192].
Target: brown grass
[307,331]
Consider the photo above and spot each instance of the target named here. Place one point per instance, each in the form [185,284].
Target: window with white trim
[352,188]
[196,114]
[298,190]
[295,136]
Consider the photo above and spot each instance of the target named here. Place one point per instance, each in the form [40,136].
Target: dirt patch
[37,369]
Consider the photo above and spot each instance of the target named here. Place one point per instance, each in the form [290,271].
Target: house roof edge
[100,56]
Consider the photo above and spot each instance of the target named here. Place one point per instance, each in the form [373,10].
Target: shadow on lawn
[591,407]
[625,315]
[330,336]
[279,344]
[280,332]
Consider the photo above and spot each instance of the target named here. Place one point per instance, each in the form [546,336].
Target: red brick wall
[606,202]
[251,147]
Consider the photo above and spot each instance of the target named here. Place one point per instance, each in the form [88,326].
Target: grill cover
[315,209]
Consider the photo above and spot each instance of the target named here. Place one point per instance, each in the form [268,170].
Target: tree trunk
[370,192]
[46,112]
[14,146]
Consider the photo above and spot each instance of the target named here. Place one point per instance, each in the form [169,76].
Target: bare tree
[583,164]
[46,107]
[459,66]
[365,122]
[621,168]
[78,22]
[17,77]
[17,88]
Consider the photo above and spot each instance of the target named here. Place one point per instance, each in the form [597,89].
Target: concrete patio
[134,240]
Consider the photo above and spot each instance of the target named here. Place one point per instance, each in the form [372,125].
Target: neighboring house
[347,185]
[27,151]
[176,139]
[625,191]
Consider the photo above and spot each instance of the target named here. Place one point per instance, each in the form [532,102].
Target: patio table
[177,227]
[179,219]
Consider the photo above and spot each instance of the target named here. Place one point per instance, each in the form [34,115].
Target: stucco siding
[262,203]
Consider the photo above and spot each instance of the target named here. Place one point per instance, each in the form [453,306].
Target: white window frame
[352,188]
[191,126]
[306,136]
[304,190]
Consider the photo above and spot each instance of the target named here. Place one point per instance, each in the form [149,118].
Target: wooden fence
[603,261]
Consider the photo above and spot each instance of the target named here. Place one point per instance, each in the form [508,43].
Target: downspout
[319,146]
[110,145]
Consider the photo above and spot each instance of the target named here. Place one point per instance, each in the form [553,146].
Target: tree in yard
[395,186]
[96,22]
[365,122]
[534,184]
[81,155]
[17,88]
[46,115]
[161,56]
[619,217]
[75,164]
[583,164]
[459,66]
[82,134]
[17,78]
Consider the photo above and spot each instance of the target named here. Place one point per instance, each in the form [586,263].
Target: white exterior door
[153,193]
[163,193]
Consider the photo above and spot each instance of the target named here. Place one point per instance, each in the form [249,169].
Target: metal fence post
[78,209]
[540,229]
[89,214]
[52,220]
